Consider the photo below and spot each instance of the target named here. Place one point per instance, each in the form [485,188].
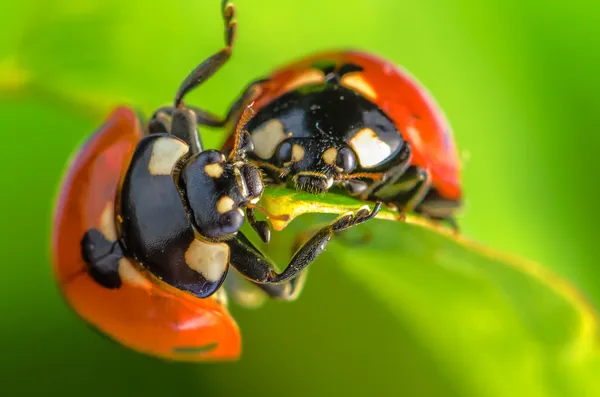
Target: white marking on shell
[165,154]
[358,83]
[208,259]
[225,204]
[370,150]
[267,138]
[131,276]
[214,170]
[312,76]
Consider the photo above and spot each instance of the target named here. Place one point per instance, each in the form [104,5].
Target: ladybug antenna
[242,140]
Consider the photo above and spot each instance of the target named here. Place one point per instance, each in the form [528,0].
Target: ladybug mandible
[147,225]
[357,122]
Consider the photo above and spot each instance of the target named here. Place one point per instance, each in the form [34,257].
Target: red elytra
[401,97]
[144,314]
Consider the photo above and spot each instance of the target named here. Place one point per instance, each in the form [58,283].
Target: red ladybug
[359,123]
[148,317]
[148,225]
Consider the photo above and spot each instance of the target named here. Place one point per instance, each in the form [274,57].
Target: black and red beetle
[357,122]
[148,223]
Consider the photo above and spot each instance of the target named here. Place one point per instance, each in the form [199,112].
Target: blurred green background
[518,80]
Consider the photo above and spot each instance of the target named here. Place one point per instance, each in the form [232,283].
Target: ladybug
[148,223]
[357,123]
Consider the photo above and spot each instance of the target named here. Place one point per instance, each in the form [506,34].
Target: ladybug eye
[284,152]
[346,160]
[252,180]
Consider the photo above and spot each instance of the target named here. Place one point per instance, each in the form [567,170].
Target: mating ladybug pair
[148,221]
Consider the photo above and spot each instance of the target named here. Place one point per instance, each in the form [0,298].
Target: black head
[217,191]
[314,164]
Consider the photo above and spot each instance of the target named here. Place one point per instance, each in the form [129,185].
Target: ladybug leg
[344,236]
[408,190]
[420,191]
[451,221]
[207,68]
[252,295]
[160,123]
[180,123]
[289,290]
[102,257]
[184,127]
[439,208]
[390,178]
[243,291]
[209,119]
[251,263]
[260,227]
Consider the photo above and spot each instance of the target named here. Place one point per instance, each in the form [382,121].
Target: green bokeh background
[518,80]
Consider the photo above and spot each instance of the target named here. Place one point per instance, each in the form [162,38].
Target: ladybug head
[314,164]
[217,191]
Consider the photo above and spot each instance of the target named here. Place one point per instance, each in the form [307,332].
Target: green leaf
[283,205]
[484,316]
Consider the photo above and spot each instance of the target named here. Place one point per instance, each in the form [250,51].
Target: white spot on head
[131,276]
[357,82]
[267,138]
[330,156]
[370,150]
[297,153]
[165,154]
[225,204]
[208,259]
[214,170]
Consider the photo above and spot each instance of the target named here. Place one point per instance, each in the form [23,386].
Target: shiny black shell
[154,225]
[332,115]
